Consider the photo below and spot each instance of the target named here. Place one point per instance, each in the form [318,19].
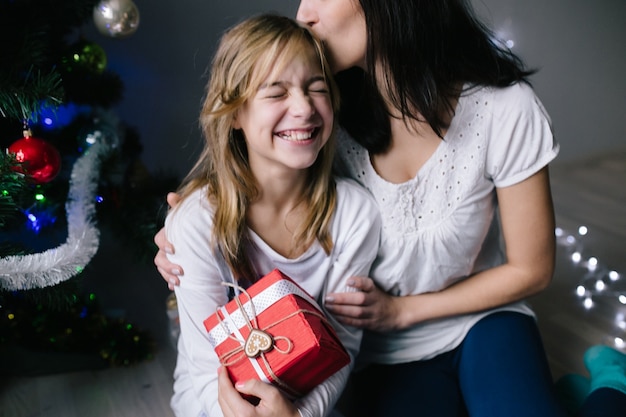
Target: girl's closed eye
[318,86]
[274,92]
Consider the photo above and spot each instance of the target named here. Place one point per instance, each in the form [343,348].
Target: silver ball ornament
[116,18]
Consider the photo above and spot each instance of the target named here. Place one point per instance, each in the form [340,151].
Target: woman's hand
[272,403]
[369,307]
[169,271]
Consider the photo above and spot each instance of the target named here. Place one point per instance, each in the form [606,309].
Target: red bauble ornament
[39,160]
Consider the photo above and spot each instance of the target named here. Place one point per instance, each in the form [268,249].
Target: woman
[441,125]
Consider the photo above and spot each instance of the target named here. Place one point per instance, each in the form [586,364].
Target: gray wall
[578,45]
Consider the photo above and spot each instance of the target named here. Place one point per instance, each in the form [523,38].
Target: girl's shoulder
[352,196]
[356,214]
[349,189]
[193,209]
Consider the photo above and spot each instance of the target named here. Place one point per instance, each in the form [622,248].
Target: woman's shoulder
[344,141]
[516,93]
[502,107]
[519,97]
[351,157]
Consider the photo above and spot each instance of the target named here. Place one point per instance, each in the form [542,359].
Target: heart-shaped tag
[258,341]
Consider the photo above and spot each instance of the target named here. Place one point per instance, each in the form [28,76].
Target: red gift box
[275,332]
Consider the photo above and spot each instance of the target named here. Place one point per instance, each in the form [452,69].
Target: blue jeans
[500,370]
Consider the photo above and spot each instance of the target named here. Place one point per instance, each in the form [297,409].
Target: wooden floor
[591,194]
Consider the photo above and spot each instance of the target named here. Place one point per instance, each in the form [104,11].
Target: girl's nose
[301,105]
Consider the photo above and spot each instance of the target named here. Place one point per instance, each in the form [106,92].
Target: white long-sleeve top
[440,227]
[355,232]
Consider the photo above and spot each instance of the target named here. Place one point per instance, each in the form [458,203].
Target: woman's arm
[527,216]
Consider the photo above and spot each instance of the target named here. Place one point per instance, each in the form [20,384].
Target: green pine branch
[24,99]
[33,37]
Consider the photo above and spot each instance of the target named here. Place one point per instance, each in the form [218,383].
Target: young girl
[262,196]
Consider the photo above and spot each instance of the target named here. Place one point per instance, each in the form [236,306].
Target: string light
[600,286]
[592,263]
[596,280]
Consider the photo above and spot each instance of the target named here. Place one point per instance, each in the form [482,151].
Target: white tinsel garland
[53,266]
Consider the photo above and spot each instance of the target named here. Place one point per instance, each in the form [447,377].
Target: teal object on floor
[607,368]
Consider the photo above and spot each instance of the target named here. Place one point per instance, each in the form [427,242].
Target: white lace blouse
[441,226]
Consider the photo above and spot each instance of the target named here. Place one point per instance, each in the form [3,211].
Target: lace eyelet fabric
[443,183]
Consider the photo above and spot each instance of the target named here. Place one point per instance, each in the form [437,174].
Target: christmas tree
[70,167]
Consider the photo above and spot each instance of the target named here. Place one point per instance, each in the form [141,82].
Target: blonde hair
[247,54]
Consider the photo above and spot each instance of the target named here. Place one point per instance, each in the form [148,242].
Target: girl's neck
[278,212]
[283,192]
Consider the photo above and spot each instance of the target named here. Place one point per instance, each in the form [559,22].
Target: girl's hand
[169,271]
[369,307]
[272,403]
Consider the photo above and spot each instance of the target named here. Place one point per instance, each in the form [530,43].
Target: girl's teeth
[296,135]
